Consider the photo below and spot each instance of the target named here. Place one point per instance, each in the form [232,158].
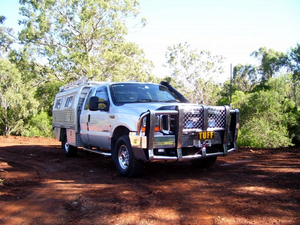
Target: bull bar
[144,145]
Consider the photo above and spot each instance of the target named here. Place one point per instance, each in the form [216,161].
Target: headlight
[165,123]
[161,124]
[144,124]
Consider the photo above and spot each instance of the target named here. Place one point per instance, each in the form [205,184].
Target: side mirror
[98,104]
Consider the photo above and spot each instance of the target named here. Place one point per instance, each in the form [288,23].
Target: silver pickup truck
[136,123]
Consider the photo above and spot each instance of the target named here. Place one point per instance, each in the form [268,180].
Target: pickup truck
[136,123]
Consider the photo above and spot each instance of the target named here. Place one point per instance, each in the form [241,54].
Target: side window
[86,107]
[58,103]
[101,93]
[69,102]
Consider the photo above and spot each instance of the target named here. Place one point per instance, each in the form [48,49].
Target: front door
[98,122]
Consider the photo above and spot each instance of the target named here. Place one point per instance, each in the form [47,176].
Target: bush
[260,132]
[264,119]
[39,125]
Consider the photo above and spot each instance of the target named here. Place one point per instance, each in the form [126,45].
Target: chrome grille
[194,118]
[216,117]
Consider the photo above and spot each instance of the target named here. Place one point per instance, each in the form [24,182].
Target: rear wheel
[204,163]
[124,159]
[69,149]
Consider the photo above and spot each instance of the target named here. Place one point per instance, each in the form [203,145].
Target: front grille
[193,118]
[216,117]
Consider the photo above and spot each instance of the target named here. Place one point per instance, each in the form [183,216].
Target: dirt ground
[40,185]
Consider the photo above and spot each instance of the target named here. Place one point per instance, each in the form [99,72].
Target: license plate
[204,135]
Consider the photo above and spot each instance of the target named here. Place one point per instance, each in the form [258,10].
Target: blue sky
[232,28]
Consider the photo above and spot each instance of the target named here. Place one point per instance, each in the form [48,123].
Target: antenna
[230,82]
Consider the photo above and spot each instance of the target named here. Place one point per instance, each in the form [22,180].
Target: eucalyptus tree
[193,71]
[294,64]
[76,38]
[17,103]
[7,38]
[294,61]
[271,62]
[245,77]
[266,115]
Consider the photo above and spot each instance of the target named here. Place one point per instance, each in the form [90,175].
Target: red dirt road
[40,185]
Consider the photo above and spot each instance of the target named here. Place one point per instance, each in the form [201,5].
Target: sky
[231,28]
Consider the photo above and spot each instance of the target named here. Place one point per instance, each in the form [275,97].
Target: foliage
[39,125]
[245,77]
[293,125]
[193,70]
[16,99]
[46,93]
[262,132]
[79,38]
[7,38]
[265,115]
[294,64]
[271,62]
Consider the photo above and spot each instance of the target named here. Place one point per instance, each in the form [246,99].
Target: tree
[294,65]
[17,103]
[45,94]
[193,71]
[266,115]
[7,38]
[270,62]
[76,38]
[39,125]
[245,77]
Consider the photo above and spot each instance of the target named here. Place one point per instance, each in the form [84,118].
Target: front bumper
[164,148]
[184,144]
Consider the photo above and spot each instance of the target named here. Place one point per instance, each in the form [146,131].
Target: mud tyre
[70,150]
[124,160]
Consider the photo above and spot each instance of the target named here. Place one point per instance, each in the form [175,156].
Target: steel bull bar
[143,145]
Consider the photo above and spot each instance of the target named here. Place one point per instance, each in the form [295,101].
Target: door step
[98,151]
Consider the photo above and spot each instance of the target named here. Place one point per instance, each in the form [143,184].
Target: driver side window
[102,95]
[86,107]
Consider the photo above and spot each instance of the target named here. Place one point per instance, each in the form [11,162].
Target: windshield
[134,93]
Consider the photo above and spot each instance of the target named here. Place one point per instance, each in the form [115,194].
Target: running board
[98,152]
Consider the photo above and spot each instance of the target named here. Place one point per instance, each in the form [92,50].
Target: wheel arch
[118,132]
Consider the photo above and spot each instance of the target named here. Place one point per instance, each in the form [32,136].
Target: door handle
[87,124]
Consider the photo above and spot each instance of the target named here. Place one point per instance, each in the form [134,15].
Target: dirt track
[39,185]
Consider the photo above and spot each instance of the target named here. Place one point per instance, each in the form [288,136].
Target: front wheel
[124,159]
[204,163]
[69,149]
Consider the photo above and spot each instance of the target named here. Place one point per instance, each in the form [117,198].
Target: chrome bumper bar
[143,146]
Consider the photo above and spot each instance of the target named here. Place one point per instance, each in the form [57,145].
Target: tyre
[204,163]
[124,159]
[69,149]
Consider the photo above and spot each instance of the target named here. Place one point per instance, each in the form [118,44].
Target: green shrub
[39,125]
[260,132]
[264,119]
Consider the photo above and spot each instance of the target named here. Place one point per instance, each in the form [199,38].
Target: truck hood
[140,108]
